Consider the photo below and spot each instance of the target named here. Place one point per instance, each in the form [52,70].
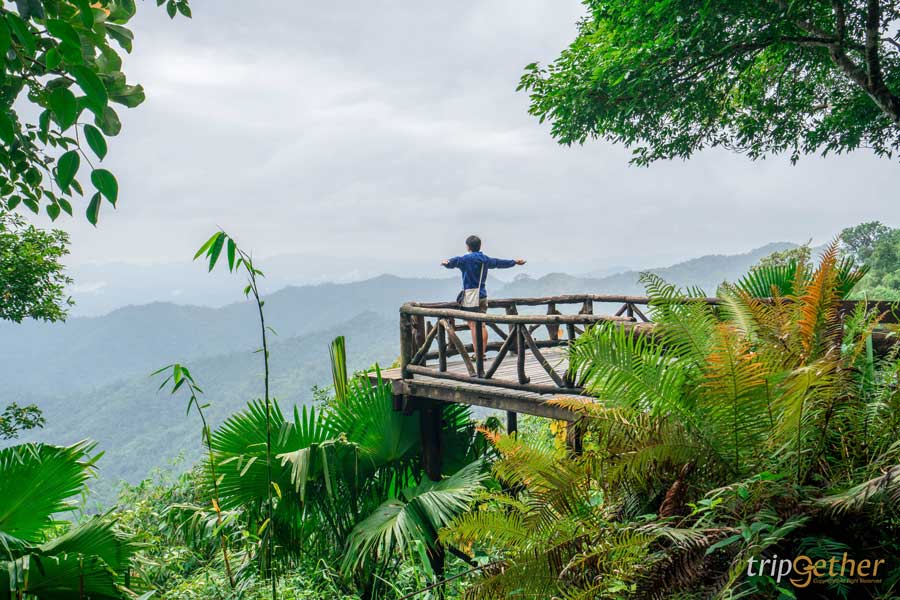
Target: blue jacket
[470,265]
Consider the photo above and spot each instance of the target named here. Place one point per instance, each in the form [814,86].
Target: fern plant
[731,433]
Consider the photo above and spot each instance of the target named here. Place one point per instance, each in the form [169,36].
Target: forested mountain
[706,272]
[90,374]
[88,351]
[142,428]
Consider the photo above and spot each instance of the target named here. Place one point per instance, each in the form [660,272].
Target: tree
[883,281]
[15,419]
[59,65]
[781,258]
[860,241]
[32,278]
[670,78]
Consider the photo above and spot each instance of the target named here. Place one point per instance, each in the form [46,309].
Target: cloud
[373,130]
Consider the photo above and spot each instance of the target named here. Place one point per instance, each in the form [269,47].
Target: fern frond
[884,487]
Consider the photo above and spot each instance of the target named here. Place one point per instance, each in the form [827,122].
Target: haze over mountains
[90,374]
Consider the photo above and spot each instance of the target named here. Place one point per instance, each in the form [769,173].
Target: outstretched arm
[450,263]
[504,263]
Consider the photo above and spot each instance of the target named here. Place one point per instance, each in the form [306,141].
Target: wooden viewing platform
[524,363]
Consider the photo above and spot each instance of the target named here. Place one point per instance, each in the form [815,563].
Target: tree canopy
[670,77]
[61,74]
[32,278]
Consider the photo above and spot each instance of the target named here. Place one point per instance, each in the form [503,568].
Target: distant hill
[141,428]
[90,373]
[90,351]
[706,272]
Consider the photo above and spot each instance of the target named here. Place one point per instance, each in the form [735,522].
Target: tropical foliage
[763,425]
[732,434]
[42,557]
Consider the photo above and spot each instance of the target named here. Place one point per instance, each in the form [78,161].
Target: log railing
[428,335]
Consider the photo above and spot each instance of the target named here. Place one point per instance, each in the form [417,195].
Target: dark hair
[473,243]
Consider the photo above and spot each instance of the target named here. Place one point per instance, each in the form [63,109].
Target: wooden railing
[514,334]
[422,326]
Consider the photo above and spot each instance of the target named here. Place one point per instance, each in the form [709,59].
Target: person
[474,264]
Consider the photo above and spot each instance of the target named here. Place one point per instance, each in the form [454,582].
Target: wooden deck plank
[488,396]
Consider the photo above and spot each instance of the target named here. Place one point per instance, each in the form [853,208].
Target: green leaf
[96,141]
[171,9]
[44,121]
[7,128]
[71,54]
[92,87]
[53,211]
[5,39]
[65,205]
[722,543]
[215,250]
[130,96]
[93,209]
[22,33]
[109,122]
[232,247]
[106,184]
[64,107]
[85,13]
[64,32]
[207,244]
[52,59]
[67,168]
[184,9]
[122,11]
[122,35]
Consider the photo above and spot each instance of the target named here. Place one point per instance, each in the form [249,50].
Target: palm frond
[416,516]
[39,480]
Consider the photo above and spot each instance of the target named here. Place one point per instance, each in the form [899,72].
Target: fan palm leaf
[38,481]
[59,577]
[416,515]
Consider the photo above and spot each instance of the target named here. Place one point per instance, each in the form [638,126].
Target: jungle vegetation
[766,426]
[735,433]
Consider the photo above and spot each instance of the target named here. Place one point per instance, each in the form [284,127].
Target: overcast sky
[383,132]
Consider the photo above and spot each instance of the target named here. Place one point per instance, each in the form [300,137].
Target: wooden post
[431,424]
[406,343]
[575,437]
[479,349]
[520,353]
[512,310]
[419,321]
[629,310]
[442,346]
[587,307]
[552,328]
[430,421]
[512,422]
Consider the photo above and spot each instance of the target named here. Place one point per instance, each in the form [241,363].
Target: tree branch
[873,62]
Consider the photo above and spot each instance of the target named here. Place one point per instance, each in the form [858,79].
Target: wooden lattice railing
[515,334]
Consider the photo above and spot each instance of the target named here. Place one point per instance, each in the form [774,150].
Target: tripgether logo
[803,570]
